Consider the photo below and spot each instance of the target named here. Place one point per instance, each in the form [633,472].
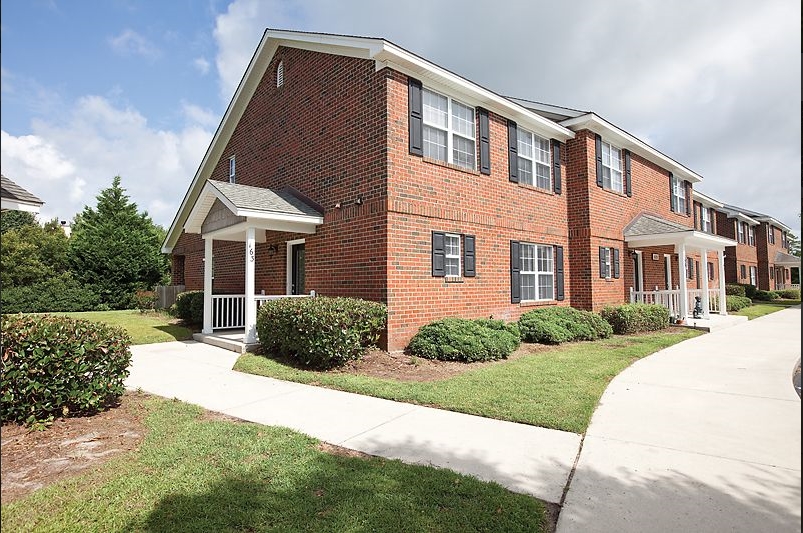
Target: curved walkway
[702,436]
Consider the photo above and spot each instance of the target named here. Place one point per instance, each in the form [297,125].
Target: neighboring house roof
[760,217]
[16,198]
[385,54]
[783,259]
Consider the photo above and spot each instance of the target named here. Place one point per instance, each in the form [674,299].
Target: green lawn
[557,389]
[144,328]
[196,474]
[764,308]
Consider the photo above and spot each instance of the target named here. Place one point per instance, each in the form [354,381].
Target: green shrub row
[636,318]
[734,289]
[461,339]
[555,325]
[766,296]
[749,290]
[189,307]
[735,303]
[56,294]
[320,332]
[59,366]
[789,294]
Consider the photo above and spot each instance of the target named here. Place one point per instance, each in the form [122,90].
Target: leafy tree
[15,219]
[30,253]
[794,244]
[116,249]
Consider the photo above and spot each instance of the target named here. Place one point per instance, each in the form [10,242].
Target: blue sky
[91,89]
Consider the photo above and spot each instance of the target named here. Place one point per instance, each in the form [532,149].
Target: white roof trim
[690,238]
[775,222]
[623,139]
[740,216]
[706,200]
[7,204]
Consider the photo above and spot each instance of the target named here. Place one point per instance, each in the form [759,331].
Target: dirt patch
[31,459]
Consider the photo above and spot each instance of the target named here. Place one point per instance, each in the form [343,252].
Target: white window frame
[679,194]
[771,235]
[537,273]
[611,182]
[534,160]
[705,219]
[753,276]
[751,235]
[608,263]
[450,131]
[740,232]
[451,259]
[232,170]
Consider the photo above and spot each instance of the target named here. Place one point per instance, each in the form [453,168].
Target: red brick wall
[766,256]
[736,256]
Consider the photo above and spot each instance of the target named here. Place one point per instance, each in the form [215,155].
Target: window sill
[614,192]
[537,303]
[453,279]
[451,166]
[536,189]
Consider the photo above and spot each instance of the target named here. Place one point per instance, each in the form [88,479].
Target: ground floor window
[537,272]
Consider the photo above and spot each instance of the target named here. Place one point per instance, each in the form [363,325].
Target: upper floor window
[280,74]
[537,272]
[771,235]
[705,220]
[232,170]
[449,130]
[534,160]
[740,231]
[679,195]
[751,235]
[611,167]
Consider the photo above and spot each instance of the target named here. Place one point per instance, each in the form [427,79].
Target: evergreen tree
[30,253]
[116,249]
[16,219]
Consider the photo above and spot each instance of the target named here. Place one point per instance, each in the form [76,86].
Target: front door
[297,269]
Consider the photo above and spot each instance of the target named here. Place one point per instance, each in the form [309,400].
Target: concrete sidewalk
[702,436]
[523,458]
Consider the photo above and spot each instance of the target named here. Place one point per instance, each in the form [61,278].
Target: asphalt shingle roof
[264,200]
[652,225]
[12,191]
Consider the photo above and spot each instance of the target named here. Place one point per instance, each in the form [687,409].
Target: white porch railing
[783,286]
[671,299]
[228,310]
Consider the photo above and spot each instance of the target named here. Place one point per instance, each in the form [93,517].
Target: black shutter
[438,254]
[673,203]
[469,258]
[628,175]
[697,265]
[416,116]
[513,150]
[616,263]
[602,272]
[559,293]
[515,272]
[599,160]
[485,142]
[688,197]
[690,268]
[695,215]
[556,185]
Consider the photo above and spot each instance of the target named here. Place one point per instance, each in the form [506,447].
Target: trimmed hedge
[765,296]
[189,307]
[636,318]
[60,366]
[320,332]
[735,303]
[556,325]
[749,290]
[734,289]
[789,294]
[61,293]
[461,339]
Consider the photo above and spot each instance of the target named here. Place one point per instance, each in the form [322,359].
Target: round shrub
[556,325]
[749,290]
[189,307]
[735,303]
[461,339]
[636,318]
[60,366]
[320,332]
[765,296]
[789,294]
[734,289]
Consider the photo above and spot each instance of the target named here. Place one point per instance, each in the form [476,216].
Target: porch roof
[652,230]
[266,209]
[782,259]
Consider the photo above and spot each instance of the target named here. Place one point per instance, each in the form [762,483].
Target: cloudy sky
[91,90]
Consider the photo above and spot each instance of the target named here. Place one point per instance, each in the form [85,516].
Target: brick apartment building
[349,166]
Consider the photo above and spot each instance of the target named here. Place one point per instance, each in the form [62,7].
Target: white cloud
[197,115]
[130,42]
[201,64]
[32,155]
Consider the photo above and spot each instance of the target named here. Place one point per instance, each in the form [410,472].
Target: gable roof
[760,217]
[653,225]
[16,198]
[786,259]
[384,54]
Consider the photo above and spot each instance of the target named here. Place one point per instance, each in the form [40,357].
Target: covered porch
[240,213]
[782,262]
[649,231]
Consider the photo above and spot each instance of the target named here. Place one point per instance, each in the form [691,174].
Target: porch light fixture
[358,201]
[272,249]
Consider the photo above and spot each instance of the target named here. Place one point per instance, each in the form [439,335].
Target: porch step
[713,323]
[224,342]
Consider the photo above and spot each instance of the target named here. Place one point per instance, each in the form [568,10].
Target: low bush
[461,339]
[320,332]
[556,325]
[636,318]
[60,366]
[789,294]
[57,294]
[734,289]
[735,303]
[145,300]
[189,307]
[749,290]
[765,296]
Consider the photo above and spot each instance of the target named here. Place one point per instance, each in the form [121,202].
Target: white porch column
[683,297]
[723,308]
[704,265]
[207,329]
[250,301]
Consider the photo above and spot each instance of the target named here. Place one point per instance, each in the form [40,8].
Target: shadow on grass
[179,333]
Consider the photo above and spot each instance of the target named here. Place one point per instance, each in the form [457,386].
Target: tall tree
[16,219]
[30,253]
[116,248]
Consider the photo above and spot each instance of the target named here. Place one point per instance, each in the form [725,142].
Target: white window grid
[751,235]
[451,246]
[537,274]
[679,192]
[534,160]
[705,215]
[232,169]
[611,167]
[607,263]
[753,275]
[771,235]
[449,130]
[740,232]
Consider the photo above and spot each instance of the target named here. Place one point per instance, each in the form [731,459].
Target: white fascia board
[741,216]
[707,201]
[16,205]
[267,215]
[623,139]
[775,222]
[691,238]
